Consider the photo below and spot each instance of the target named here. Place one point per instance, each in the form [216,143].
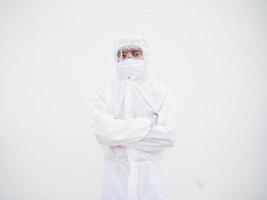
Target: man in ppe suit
[133,118]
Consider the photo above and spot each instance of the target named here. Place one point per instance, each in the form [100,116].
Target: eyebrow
[131,49]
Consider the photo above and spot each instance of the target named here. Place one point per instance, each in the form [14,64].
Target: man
[133,118]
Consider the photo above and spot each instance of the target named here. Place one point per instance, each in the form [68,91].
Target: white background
[53,54]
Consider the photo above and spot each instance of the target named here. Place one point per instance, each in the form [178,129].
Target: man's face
[126,52]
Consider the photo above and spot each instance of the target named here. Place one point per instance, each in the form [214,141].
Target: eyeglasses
[133,51]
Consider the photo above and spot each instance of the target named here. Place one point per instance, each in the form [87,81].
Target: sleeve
[114,132]
[161,135]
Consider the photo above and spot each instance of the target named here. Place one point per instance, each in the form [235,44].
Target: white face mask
[131,68]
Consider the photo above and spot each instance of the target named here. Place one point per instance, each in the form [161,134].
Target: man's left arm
[162,134]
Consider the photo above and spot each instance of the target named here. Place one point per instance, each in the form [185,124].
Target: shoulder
[161,86]
[101,90]
[104,86]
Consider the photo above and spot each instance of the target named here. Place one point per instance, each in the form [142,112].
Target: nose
[130,54]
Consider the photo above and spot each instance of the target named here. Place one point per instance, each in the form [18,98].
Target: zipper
[131,153]
[133,175]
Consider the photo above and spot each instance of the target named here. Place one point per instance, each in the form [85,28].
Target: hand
[154,119]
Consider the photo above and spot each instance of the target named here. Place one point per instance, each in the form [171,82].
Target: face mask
[131,68]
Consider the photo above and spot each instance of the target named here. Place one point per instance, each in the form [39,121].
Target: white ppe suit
[133,118]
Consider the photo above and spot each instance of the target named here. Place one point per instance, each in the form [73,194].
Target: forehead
[130,48]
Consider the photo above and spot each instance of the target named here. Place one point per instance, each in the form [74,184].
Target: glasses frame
[123,52]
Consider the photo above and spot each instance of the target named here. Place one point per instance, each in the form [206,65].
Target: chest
[137,100]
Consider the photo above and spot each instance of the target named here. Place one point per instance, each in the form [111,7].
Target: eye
[136,53]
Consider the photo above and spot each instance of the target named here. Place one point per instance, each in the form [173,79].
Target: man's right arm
[114,132]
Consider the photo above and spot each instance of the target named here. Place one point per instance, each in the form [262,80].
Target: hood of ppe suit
[132,69]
